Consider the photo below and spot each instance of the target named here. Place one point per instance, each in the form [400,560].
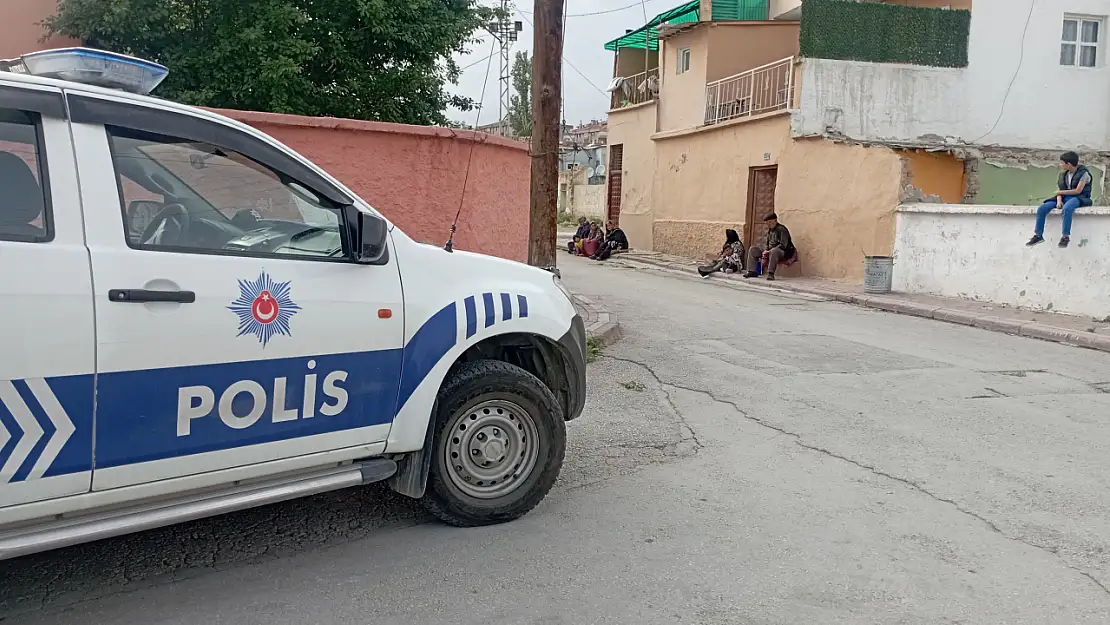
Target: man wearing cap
[779,248]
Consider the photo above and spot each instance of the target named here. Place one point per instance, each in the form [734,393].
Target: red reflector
[385,313]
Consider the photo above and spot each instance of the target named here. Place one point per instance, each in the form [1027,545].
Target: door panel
[261,355]
[47,363]
[616,171]
[761,201]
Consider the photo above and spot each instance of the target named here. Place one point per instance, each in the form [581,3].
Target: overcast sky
[584,49]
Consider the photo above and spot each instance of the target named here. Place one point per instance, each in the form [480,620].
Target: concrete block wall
[978,252]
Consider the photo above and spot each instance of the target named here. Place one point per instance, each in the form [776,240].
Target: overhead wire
[579,72]
[592,13]
[1013,79]
[473,142]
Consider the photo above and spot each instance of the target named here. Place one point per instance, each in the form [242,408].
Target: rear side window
[24,199]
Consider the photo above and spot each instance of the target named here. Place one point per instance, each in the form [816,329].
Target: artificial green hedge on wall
[884,33]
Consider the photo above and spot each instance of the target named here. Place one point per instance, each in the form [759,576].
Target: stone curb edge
[1029,329]
[601,325]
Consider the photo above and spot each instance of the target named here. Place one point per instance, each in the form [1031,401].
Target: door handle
[129,296]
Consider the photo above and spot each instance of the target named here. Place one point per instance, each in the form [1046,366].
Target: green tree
[364,59]
[520,103]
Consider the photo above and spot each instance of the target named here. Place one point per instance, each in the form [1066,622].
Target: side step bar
[128,520]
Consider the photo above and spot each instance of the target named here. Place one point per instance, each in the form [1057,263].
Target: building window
[1079,46]
[683,64]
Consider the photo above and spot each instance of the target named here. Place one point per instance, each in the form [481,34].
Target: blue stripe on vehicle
[506,307]
[471,317]
[138,409]
[523,302]
[427,347]
[487,303]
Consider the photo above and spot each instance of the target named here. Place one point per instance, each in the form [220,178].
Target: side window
[24,199]
[181,195]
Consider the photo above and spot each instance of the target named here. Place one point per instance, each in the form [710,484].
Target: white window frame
[682,63]
[1078,44]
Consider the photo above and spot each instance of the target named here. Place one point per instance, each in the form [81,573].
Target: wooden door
[616,167]
[761,201]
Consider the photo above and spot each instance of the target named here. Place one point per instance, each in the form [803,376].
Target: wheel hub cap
[491,449]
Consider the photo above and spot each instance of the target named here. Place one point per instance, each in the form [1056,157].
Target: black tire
[474,384]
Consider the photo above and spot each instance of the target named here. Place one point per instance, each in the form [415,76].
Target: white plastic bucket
[878,274]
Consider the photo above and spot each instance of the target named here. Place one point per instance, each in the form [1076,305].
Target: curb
[601,325]
[1028,329]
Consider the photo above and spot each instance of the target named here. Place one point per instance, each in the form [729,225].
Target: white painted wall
[979,253]
[1048,106]
[880,100]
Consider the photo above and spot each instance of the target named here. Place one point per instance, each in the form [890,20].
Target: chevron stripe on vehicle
[32,441]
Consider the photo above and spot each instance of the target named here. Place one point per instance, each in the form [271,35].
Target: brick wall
[414,176]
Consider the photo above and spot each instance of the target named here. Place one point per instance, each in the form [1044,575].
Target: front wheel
[499,443]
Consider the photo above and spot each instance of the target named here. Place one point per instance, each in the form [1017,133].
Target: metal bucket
[878,274]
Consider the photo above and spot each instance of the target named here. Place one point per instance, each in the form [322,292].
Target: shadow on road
[120,564]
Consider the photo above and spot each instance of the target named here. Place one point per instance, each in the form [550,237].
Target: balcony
[635,89]
[764,89]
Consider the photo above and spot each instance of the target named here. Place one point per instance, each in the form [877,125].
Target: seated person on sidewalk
[779,249]
[1074,191]
[580,235]
[592,242]
[615,241]
[731,259]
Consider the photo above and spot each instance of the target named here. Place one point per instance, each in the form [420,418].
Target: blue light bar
[96,67]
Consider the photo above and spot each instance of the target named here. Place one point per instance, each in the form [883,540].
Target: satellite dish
[592,172]
[600,170]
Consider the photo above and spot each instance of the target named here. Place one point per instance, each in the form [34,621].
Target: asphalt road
[745,457]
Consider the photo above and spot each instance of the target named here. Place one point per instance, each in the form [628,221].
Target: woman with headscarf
[731,258]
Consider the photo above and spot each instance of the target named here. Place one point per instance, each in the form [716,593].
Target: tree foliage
[520,102]
[383,60]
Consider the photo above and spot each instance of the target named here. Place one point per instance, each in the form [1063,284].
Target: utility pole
[547,89]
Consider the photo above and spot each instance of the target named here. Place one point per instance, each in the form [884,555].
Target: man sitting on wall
[1074,191]
[779,249]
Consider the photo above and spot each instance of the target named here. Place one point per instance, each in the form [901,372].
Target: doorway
[616,168]
[761,201]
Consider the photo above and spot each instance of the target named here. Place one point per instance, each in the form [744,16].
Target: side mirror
[368,234]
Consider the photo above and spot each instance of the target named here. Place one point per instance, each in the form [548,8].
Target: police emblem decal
[264,308]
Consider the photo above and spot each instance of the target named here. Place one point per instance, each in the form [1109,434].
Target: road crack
[800,442]
[689,433]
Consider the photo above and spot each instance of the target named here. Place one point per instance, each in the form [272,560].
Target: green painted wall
[1026,187]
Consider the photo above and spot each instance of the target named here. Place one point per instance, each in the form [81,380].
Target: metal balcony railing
[764,89]
[635,89]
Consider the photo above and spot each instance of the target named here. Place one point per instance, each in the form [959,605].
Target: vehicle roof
[77,87]
[119,95]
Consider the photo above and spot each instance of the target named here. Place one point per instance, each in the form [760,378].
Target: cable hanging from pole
[449,246]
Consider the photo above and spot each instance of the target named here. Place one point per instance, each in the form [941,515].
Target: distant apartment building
[724,110]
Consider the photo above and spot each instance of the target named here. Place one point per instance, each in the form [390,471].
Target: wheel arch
[560,365]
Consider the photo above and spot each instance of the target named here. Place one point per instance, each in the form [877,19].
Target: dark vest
[1084,195]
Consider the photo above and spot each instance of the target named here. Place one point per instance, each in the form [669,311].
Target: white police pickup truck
[195,319]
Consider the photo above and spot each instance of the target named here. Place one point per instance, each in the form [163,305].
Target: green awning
[648,34]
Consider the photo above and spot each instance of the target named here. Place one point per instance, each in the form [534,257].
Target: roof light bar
[91,67]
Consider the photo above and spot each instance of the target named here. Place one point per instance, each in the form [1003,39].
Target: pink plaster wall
[20,28]
[414,176]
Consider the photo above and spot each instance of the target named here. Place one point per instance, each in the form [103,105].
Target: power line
[578,71]
[1013,79]
[618,9]
[481,60]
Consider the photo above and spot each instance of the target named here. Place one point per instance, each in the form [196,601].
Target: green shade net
[647,36]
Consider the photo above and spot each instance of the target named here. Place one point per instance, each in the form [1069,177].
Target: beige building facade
[715,149]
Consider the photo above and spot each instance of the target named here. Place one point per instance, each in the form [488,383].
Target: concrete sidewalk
[1080,331]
